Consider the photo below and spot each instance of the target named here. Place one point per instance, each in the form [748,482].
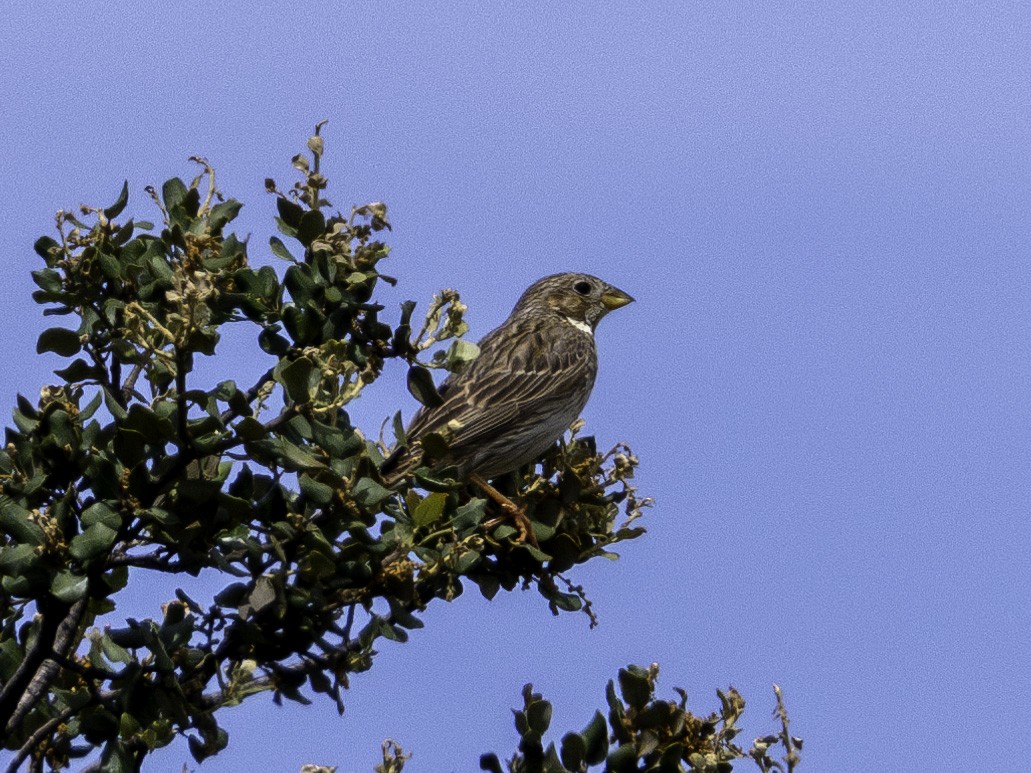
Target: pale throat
[579,324]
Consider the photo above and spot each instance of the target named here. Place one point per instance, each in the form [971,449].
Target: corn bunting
[530,381]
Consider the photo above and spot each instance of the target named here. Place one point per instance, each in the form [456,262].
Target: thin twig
[37,737]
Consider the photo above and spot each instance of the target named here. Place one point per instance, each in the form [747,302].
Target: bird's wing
[519,378]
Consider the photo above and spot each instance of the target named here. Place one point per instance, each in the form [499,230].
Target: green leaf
[488,584]
[289,211]
[311,226]
[47,279]
[319,493]
[460,354]
[596,738]
[250,429]
[153,427]
[60,341]
[303,325]
[279,249]
[634,687]
[113,652]
[368,493]
[80,370]
[16,522]
[45,246]
[538,716]
[117,411]
[339,442]
[622,760]
[470,514]
[573,751]
[233,595]
[287,455]
[123,198]
[69,587]
[300,378]
[263,595]
[102,512]
[173,192]
[422,388]
[224,212]
[429,509]
[90,408]
[272,343]
[95,541]
[17,559]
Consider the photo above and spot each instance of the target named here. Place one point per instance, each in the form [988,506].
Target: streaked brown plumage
[530,381]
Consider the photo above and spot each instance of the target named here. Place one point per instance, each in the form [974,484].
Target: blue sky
[824,211]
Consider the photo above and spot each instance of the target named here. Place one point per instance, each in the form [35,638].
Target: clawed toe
[514,512]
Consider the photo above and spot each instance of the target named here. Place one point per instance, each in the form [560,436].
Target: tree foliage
[135,464]
[644,734]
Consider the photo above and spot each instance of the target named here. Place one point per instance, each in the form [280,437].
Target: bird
[531,379]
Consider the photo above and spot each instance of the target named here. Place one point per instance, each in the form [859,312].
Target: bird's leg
[514,511]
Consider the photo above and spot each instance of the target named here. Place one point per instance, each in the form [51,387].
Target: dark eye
[582,287]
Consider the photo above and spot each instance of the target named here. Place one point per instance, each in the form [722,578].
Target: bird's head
[580,299]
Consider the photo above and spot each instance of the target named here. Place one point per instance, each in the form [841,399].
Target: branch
[36,738]
[38,669]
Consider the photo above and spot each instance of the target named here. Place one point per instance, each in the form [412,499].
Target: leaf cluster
[643,734]
[134,464]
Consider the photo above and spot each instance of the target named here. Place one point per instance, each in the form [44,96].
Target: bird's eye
[584,288]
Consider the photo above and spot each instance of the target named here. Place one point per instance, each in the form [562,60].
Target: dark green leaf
[488,584]
[173,192]
[622,760]
[113,406]
[300,378]
[45,246]
[69,587]
[429,509]
[311,226]
[95,541]
[634,687]
[272,343]
[16,521]
[223,213]
[17,559]
[596,739]
[60,341]
[123,198]
[279,249]
[422,388]
[318,493]
[469,514]
[289,211]
[102,512]
[538,716]
[250,428]
[47,279]
[232,595]
[287,455]
[263,595]
[80,370]
[574,751]
[145,421]
[368,493]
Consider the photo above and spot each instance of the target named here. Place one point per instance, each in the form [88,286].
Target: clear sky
[824,211]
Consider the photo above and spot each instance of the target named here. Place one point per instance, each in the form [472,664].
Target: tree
[133,465]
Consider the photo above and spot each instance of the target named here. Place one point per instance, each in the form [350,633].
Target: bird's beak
[614,298]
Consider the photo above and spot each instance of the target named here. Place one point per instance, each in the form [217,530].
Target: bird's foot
[513,512]
[520,520]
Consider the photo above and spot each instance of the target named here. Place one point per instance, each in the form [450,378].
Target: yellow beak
[614,298]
